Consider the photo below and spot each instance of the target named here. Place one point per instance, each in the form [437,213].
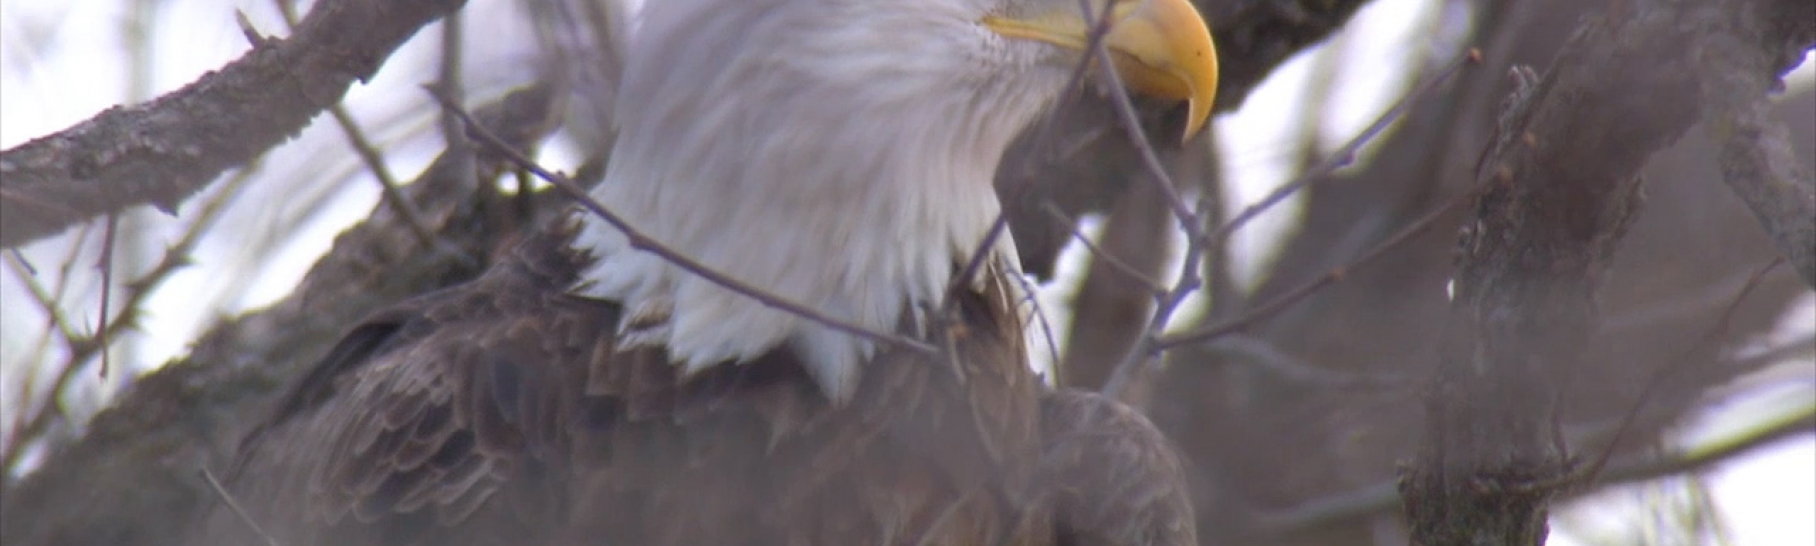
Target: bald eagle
[834,153]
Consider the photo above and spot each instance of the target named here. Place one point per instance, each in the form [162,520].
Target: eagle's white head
[838,154]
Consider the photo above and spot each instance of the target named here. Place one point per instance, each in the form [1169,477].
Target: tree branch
[166,150]
[1755,150]
[1559,188]
[132,478]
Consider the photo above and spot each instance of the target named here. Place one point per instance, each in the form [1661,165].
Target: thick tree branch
[134,478]
[166,150]
[1559,188]
[1755,149]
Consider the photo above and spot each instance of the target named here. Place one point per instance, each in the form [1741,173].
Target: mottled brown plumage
[834,153]
[500,413]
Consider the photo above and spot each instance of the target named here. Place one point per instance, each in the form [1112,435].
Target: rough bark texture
[1297,423]
[135,477]
[1559,189]
[166,150]
[1756,157]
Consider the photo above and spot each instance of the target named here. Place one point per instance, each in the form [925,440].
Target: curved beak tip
[1161,48]
[1170,37]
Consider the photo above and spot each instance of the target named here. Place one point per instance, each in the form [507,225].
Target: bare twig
[362,146]
[238,511]
[21,431]
[47,302]
[1189,223]
[68,334]
[1152,343]
[1710,298]
[1344,156]
[451,85]
[81,349]
[387,182]
[1701,345]
[138,454]
[1145,349]
[1716,451]
[1220,271]
[1272,358]
[1131,122]
[1099,28]
[1283,301]
[109,234]
[1148,284]
[640,241]
[1040,318]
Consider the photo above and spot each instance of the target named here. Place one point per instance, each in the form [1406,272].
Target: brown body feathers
[500,413]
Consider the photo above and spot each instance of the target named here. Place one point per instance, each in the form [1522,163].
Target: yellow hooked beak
[1161,48]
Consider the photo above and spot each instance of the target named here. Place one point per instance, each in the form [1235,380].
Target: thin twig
[1220,277]
[1774,354]
[1314,107]
[22,435]
[1715,452]
[1283,301]
[1144,352]
[1347,154]
[1691,304]
[82,349]
[1040,317]
[237,509]
[1150,345]
[1588,476]
[29,268]
[1153,287]
[1189,223]
[1042,138]
[387,182]
[362,146]
[638,240]
[1267,356]
[57,323]
[1131,123]
[452,86]
[47,302]
[108,235]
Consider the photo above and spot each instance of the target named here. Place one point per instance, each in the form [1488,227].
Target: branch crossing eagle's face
[1160,48]
[839,154]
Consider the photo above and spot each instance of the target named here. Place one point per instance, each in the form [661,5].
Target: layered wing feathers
[500,413]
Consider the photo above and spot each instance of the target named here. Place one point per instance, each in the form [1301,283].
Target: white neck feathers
[847,177]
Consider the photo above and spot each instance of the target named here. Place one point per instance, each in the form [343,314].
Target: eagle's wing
[501,412]
[424,413]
